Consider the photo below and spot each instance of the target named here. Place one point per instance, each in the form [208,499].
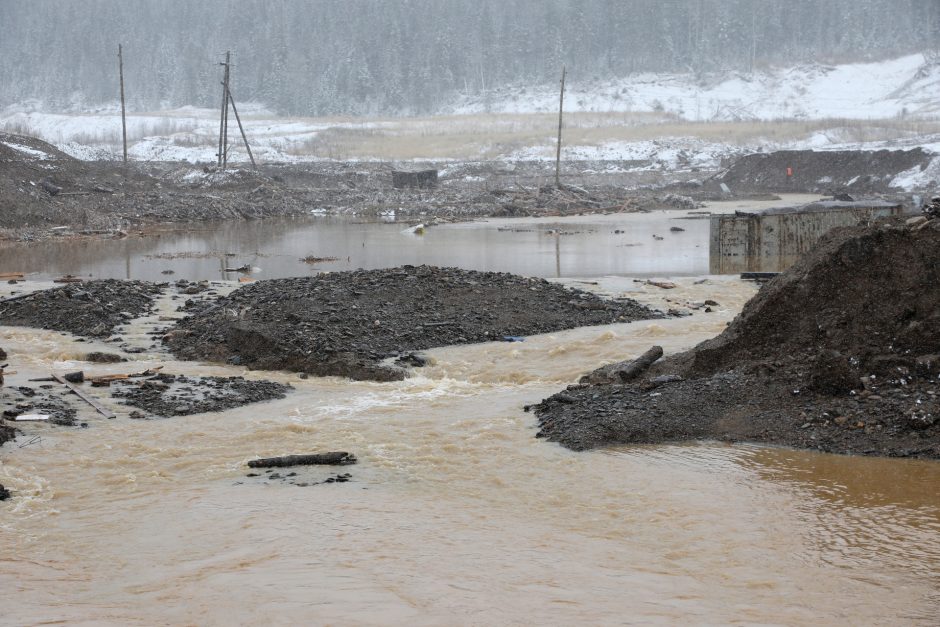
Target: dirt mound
[861,291]
[822,172]
[92,308]
[346,323]
[841,353]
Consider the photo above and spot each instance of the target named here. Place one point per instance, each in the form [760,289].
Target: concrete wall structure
[772,240]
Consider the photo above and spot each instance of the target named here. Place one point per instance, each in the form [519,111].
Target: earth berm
[841,353]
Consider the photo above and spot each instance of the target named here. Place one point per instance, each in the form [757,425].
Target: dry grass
[483,136]
[487,136]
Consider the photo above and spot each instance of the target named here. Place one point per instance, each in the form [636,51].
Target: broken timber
[107,413]
[337,458]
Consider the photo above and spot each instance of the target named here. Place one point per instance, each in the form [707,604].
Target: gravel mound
[346,323]
[178,395]
[841,353]
[91,309]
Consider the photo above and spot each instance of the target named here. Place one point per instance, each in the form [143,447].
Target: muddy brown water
[456,513]
[639,244]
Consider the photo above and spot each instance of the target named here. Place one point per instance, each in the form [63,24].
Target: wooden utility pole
[223,122]
[561,108]
[241,128]
[123,108]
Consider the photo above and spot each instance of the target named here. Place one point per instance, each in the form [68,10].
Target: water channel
[456,513]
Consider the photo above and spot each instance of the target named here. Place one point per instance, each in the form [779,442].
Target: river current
[455,513]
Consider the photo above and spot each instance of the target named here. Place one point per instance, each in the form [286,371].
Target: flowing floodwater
[456,513]
[635,244]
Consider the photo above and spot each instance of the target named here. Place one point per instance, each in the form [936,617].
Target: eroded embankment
[841,353]
[347,323]
[825,172]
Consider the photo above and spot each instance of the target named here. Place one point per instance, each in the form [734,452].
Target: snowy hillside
[903,86]
[636,122]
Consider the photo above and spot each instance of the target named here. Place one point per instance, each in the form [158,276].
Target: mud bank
[90,308]
[347,323]
[841,354]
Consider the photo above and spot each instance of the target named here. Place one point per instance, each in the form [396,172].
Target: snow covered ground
[905,86]
[656,122]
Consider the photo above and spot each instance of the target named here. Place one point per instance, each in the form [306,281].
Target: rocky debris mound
[178,395]
[346,323]
[822,172]
[91,308]
[841,353]
[48,400]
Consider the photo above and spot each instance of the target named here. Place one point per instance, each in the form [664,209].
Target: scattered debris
[107,413]
[31,417]
[422,179]
[666,285]
[311,259]
[178,395]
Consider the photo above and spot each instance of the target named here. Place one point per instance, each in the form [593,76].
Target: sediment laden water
[456,513]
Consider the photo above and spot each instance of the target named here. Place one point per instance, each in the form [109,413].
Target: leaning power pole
[123,108]
[223,122]
[241,128]
[561,108]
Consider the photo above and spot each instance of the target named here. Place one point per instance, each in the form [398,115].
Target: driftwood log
[623,371]
[325,459]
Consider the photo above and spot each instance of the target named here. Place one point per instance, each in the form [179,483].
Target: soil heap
[91,308]
[841,353]
[346,323]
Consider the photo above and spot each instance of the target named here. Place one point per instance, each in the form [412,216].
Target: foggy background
[357,57]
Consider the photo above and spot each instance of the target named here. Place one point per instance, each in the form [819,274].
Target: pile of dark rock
[90,308]
[347,323]
[841,353]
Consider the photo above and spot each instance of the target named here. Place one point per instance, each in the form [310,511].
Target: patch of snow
[32,152]
[915,178]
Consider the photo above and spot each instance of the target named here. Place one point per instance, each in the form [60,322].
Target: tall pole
[123,108]
[228,71]
[224,107]
[241,128]
[561,108]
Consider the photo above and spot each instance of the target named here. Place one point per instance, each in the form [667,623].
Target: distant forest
[353,57]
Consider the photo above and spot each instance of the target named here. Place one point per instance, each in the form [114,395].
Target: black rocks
[92,308]
[347,323]
[178,395]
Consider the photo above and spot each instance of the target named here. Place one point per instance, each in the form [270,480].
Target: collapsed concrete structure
[772,240]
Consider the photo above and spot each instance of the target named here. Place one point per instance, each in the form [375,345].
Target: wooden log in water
[336,458]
